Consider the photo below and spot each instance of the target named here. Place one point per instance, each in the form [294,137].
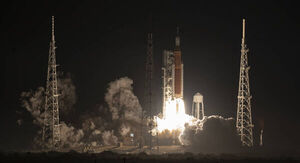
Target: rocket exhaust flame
[175,117]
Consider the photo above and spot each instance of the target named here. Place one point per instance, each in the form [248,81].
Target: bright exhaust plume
[175,117]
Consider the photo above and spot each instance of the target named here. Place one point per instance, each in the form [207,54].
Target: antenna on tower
[51,127]
[243,39]
[244,118]
[52,36]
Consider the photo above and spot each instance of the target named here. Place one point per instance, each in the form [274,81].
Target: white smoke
[34,103]
[96,132]
[213,134]
[124,130]
[106,125]
[69,136]
[67,93]
[109,138]
[121,100]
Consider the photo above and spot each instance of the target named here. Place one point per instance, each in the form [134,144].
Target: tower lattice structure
[244,118]
[51,129]
[148,84]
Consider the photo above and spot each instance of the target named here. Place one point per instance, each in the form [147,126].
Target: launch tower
[168,71]
[244,119]
[51,128]
[148,84]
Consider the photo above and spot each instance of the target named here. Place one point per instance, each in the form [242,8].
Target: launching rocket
[178,85]
[172,78]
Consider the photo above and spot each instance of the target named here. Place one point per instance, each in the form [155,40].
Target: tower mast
[51,128]
[244,119]
[148,84]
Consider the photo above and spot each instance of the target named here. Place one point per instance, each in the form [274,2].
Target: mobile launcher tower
[172,74]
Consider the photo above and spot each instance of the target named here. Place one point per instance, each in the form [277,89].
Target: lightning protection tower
[148,85]
[51,128]
[244,119]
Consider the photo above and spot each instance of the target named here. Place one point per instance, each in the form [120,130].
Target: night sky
[102,41]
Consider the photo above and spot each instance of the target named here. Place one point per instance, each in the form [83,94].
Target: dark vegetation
[107,157]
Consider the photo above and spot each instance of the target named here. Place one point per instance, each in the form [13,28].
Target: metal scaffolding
[51,128]
[148,85]
[244,119]
[168,71]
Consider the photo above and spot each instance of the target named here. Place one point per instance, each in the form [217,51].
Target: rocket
[172,78]
[178,84]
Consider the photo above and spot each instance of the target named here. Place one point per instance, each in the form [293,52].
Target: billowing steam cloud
[67,97]
[213,134]
[34,103]
[125,111]
[122,102]
[109,138]
[70,136]
[113,124]
[105,126]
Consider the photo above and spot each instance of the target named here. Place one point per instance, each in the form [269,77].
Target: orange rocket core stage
[178,74]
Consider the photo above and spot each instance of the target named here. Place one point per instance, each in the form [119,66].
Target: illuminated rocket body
[178,86]
[172,75]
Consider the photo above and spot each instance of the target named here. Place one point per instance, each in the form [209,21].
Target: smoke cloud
[67,91]
[121,100]
[103,126]
[109,138]
[213,134]
[70,137]
[34,103]
[125,111]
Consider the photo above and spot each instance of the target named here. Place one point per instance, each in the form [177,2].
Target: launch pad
[136,149]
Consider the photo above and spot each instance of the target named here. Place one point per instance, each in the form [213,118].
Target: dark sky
[101,41]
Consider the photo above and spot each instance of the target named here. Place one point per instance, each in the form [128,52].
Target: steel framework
[148,85]
[51,128]
[168,71]
[244,119]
